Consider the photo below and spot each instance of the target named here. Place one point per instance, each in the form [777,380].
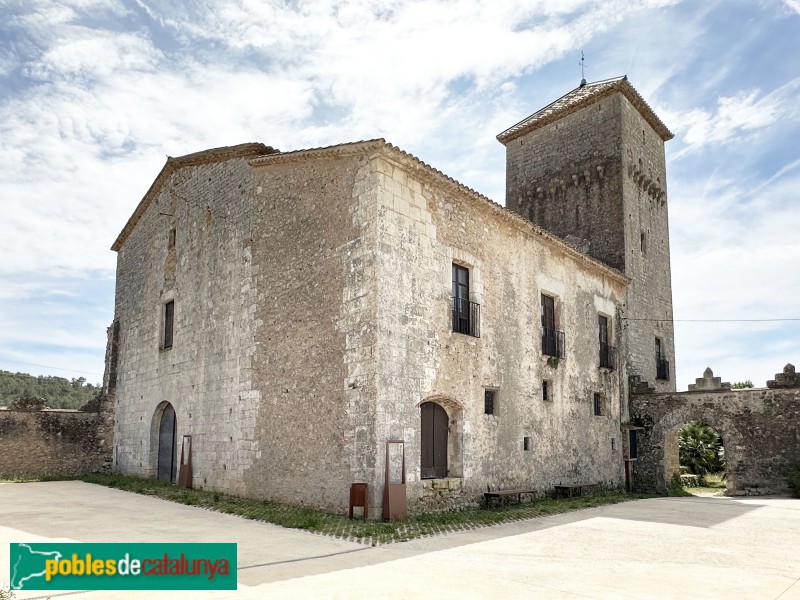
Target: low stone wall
[760,429]
[54,442]
[441,495]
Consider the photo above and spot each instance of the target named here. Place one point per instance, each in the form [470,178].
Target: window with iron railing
[607,352]
[552,339]
[608,356]
[466,317]
[552,342]
[466,314]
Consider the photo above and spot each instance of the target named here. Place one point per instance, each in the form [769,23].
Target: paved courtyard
[658,548]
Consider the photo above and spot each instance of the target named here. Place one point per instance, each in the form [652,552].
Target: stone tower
[590,168]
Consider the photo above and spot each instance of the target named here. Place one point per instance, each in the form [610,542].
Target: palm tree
[701,449]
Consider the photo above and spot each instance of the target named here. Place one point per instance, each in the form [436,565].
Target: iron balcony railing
[552,342]
[662,367]
[608,355]
[466,317]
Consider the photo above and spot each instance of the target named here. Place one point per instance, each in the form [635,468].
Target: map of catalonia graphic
[30,564]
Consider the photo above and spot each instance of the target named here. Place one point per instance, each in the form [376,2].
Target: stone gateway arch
[760,428]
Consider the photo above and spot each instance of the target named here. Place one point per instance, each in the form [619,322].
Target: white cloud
[737,116]
[793,5]
[734,254]
[104,90]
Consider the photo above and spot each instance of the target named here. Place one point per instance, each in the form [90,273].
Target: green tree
[701,449]
[740,385]
[57,392]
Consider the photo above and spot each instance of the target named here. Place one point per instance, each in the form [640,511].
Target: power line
[713,320]
[19,362]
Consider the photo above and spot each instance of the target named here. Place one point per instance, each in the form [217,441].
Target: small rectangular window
[169,322]
[598,404]
[545,390]
[488,402]
[526,443]
[643,242]
[171,239]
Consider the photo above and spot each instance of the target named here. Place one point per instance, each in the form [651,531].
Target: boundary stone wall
[760,429]
[54,442]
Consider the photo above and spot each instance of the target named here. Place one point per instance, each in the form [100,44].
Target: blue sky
[94,94]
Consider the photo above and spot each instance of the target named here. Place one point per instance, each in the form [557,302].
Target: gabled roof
[582,96]
[174,163]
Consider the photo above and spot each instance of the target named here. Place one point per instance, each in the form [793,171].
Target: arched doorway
[434,440]
[166,444]
[695,452]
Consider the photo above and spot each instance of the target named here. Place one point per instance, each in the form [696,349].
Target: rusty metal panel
[359,496]
[395,500]
[185,472]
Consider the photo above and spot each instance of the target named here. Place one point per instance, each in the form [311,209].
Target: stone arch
[455,435]
[163,442]
[662,445]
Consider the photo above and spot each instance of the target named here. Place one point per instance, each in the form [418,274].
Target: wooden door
[166,445]
[434,441]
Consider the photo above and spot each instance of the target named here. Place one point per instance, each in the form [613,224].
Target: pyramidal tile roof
[582,96]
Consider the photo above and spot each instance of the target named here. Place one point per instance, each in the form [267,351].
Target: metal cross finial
[583,75]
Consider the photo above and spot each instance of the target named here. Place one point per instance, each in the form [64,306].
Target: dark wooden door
[166,445]
[434,441]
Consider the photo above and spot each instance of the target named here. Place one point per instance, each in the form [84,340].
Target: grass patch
[20,479]
[710,484]
[335,525]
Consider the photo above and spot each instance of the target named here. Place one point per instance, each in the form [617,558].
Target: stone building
[293,311]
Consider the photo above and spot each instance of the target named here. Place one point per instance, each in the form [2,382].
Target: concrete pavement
[658,548]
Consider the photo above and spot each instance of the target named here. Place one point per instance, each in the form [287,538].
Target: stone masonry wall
[54,442]
[565,177]
[209,274]
[760,429]
[597,178]
[313,245]
[424,226]
[647,309]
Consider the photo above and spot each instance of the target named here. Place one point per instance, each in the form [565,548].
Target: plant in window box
[552,361]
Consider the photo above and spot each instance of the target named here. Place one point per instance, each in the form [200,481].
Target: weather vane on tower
[583,75]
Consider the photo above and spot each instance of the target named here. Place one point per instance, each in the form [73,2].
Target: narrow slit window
[169,324]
